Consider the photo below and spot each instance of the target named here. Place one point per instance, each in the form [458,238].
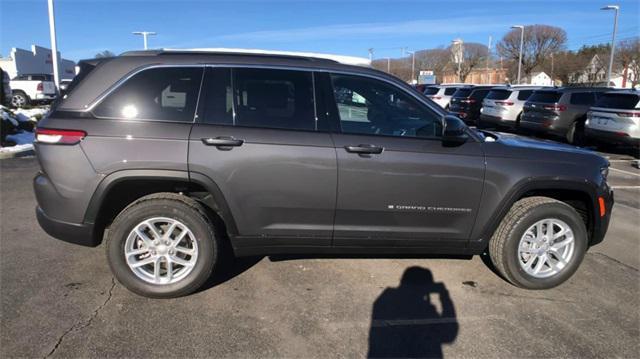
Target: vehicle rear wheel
[162,246]
[576,135]
[20,99]
[539,244]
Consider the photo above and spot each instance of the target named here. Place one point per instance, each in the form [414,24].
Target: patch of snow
[17,148]
[21,138]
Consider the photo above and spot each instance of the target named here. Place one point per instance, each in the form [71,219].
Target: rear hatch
[48,88]
[615,112]
[542,105]
[495,103]
[460,100]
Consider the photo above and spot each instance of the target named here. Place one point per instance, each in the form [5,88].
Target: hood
[510,145]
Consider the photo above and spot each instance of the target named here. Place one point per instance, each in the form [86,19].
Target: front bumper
[601,223]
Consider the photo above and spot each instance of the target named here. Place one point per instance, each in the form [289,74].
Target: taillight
[555,107]
[468,100]
[628,114]
[59,137]
[39,87]
[435,97]
[504,103]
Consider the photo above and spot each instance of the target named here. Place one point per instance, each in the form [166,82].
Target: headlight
[604,171]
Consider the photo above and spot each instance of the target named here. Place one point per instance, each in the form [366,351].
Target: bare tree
[540,41]
[435,60]
[628,59]
[105,53]
[473,55]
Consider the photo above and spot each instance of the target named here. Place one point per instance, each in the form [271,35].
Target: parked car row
[574,113]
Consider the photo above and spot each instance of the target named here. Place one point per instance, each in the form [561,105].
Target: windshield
[464,92]
[545,96]
[498,95]
[431,90]
[618,100]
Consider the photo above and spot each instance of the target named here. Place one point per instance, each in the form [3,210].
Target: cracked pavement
[60,300]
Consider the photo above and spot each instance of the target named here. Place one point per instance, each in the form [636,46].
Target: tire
[511,237]
[576,135]
[197,234]
[20,99]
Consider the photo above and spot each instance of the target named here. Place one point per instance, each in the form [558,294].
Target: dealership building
[38,60]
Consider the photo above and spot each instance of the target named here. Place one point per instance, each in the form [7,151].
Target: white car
[615,118]
[30,88]
[503,105]
[441,94]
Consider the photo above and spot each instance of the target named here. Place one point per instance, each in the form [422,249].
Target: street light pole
[613,38]
[371,54]
[144,34]
[521,42]
[54,45]
[388,65]
[413,64]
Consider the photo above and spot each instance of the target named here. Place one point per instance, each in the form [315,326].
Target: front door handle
[364,149]
[222,142]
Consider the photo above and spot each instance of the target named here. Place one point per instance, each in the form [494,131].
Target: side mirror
[455,131]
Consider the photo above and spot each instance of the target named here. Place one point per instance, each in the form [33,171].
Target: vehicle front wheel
[162,246]
[539,244]
[19,99]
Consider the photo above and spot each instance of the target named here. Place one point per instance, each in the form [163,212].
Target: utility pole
[388,65]
[458,55]
[616,8]
[54,45]
[144,34]
[413,65]
[553,81]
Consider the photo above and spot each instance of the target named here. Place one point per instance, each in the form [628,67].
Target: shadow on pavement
[405,322]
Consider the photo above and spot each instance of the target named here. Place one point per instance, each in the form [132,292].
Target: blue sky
[343,27]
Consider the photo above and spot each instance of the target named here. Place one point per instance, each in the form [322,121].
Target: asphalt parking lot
[60,300]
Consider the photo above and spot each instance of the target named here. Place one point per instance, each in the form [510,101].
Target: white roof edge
[347,60]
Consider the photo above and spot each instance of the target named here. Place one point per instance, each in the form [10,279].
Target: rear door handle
[222,142]
[364,149]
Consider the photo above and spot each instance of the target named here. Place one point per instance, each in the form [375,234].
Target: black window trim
[415,94]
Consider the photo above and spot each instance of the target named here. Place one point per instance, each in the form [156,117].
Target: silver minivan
[615,118]
[503,105]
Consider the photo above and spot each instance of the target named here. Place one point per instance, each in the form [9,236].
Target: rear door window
[431,90]
[450,91]
[274,99]
[582,98]
[498,95]
[524,94]
[618,100]
[545,96]
[158,94]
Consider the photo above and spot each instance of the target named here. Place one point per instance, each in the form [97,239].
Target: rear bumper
[496,120]
[77,233]
[614,137]
[44,97]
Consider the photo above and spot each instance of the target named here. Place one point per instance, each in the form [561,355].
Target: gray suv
[560,111]
[173,155]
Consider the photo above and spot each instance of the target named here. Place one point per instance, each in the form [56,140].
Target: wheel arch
[117,190]
[580,195]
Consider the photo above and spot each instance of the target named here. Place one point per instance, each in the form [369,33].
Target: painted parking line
[626,172]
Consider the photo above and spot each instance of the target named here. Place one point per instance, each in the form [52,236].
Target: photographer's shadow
[405,323]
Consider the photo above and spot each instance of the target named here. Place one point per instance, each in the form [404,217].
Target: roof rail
[347,60]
